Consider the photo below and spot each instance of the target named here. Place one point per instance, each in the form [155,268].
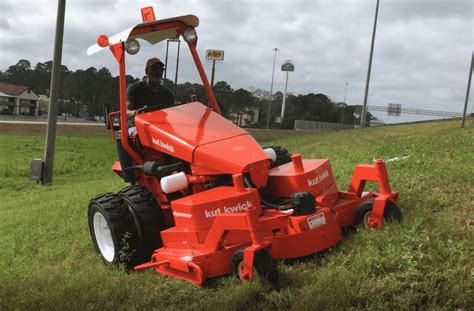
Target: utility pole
[275,50]
[467,92]
[364,107]
[47,176]
[344,103]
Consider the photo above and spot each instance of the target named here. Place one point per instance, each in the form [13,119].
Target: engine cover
[198,211]
[316,178]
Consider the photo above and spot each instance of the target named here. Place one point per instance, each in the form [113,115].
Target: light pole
[364,108]
[275,50]
[64,106]
[344,103]
[75,108]
[467,92]
[356,117]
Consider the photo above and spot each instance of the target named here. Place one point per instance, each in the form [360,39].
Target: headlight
[190,35]
[132,46]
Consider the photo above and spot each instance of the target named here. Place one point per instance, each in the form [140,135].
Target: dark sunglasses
[157,67]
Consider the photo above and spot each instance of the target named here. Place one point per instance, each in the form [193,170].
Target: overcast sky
[421,58]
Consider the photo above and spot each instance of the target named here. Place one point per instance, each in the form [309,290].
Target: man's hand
[138,111]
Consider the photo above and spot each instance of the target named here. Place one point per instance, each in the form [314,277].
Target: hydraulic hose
[280,207]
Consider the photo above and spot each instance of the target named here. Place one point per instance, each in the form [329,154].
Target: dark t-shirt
[139,95]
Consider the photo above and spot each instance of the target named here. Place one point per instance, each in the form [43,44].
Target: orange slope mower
[205,198]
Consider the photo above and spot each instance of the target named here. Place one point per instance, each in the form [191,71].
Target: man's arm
[170,98]
[131,90]
[130,110]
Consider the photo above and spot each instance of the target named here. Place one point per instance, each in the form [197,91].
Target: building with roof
[18,100]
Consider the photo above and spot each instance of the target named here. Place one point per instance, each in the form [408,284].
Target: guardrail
[320,126]
[424,112]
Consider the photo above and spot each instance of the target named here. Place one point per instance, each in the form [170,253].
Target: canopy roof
[160,32]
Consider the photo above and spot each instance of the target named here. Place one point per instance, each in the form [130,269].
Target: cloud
[421,57]
[4,25]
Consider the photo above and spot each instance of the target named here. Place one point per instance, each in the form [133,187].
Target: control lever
[151,168]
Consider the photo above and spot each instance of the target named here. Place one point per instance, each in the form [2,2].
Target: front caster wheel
[264,267]
[391,213]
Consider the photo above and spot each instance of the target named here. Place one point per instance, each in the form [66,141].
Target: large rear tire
[391,213]
[112,230]
[148,218]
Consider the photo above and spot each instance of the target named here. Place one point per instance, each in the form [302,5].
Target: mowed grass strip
[48,261]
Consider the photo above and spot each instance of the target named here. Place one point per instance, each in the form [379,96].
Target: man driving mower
[148,92]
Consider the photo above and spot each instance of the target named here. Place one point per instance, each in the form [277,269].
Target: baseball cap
[153,61]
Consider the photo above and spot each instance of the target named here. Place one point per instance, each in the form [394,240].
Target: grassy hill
[47,260]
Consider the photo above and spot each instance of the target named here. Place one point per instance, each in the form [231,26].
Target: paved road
[44,122]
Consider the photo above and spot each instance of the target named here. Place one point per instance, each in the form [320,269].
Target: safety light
[190,35]
[103,41]
[132,46]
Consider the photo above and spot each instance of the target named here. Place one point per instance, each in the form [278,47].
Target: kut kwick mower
[205,198]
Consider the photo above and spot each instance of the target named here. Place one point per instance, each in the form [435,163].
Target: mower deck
[198,252]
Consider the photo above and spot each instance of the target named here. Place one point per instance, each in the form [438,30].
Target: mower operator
[149,92]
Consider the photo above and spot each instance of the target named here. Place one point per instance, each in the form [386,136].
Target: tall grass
[47,260]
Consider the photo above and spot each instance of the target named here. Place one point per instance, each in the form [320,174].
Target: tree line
[85,91]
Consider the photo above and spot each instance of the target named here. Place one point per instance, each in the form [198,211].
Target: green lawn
[47,260]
